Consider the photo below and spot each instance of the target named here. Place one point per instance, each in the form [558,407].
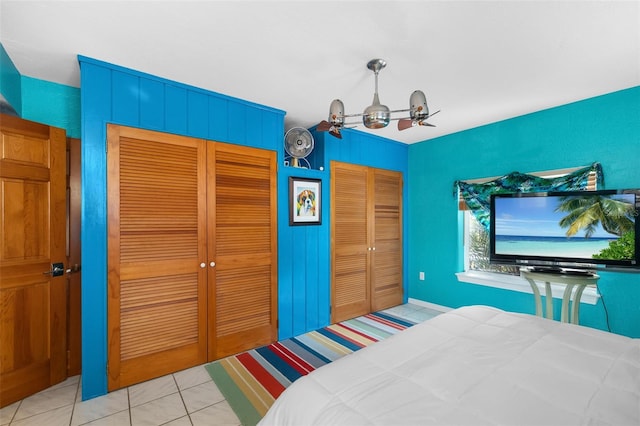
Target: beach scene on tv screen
[582,227]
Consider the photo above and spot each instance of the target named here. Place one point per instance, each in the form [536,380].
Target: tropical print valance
[477,196]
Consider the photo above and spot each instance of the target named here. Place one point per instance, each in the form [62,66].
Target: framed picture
[304,201]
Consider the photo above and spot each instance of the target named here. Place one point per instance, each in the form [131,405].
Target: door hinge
[68,359]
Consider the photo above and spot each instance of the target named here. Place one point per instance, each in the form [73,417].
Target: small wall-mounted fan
[298,142]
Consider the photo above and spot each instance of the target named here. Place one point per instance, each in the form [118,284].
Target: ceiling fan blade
[405,123]
[424,123]
[336,133]
[323,126]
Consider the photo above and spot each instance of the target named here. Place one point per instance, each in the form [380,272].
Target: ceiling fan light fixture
[376,116]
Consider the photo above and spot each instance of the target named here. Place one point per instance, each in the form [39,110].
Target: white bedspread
[474,366]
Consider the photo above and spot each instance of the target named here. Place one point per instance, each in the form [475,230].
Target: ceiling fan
[376,115]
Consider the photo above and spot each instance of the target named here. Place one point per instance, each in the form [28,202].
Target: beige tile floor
[185,398]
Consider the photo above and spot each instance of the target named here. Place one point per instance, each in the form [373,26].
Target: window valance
[477,196]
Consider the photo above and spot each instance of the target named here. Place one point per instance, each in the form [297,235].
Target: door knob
[57,269]
[212,264]
[75,268]
[202,265]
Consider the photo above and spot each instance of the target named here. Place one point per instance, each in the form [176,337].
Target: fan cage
[292,159]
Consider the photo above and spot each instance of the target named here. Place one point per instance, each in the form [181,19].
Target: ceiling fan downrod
[376,115]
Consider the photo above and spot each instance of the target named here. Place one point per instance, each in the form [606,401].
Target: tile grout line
[75,401]
[184,404]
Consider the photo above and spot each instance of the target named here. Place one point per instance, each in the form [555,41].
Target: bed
[475,365]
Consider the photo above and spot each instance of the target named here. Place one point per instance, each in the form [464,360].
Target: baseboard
[429,305]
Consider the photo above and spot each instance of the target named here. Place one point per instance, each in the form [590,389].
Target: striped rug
[251,381]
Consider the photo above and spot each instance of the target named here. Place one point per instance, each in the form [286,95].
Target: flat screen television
[566,232]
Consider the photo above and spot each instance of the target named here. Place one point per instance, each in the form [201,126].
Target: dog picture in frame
[304,202]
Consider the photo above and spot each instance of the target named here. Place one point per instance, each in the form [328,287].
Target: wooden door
[157,274]
[350,241]
[32,237]
[386,259]
[243,244]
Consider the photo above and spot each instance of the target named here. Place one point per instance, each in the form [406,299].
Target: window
[477,268]
[476,248]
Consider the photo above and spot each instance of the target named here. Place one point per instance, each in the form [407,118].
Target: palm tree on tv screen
[586,211]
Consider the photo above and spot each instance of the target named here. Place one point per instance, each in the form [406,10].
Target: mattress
[475,365]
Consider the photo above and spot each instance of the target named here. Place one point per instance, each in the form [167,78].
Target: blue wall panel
[272,125]
[175,109]
[253,130]
[197,114]
[96,107]
[114,94]
[238,120]
[303,261]
[218,117]
[152,100]
[125,94]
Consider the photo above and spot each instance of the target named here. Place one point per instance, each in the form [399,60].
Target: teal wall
[10,84]
[52,104]
[604,129]
[41,101]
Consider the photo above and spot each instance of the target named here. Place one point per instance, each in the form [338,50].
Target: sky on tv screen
[537,217]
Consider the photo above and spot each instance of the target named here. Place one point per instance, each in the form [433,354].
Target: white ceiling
[477,61]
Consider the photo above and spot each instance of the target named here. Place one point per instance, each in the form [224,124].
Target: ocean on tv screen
[575,247]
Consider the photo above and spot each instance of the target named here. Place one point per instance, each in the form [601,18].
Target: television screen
[581,229]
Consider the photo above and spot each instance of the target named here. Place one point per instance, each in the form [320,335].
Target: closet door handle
[202,265]
[212,264]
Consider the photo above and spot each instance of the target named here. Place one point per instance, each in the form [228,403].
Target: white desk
[570,281]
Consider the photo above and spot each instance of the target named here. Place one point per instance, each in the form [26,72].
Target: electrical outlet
[421,276]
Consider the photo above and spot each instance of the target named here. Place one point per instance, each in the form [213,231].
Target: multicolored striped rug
[251,381]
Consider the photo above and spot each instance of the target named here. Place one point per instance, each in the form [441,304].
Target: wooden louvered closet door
[366,240]
[242,286]
[350,243]
[386,262]
[157,277]
[192,252]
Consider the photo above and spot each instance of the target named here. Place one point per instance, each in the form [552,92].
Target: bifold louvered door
[172,276]
[350,244]
[366,240]
[242,286]
[386,264]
